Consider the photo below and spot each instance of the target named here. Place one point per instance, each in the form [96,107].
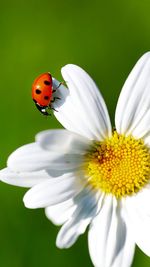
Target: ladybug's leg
[59,85]
[55,98]
[54,109]
[54,90]
[52,101]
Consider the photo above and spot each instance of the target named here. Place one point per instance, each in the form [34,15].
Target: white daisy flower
[90,174]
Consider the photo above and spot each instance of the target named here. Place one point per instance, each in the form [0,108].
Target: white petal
[82,110]
[133,108]
[62,141]
[56,173]
[87,206]
[147,140]
[61,212]
[138,214]
[53,191]
[24,179]
[110,244]
[141,201]
[32,157]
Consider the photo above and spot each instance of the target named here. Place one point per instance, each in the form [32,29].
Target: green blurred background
[106,39]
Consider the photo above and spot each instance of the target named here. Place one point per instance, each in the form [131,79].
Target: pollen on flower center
[119,165]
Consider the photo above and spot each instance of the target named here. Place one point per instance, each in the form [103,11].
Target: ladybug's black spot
[46,97]
[38,91]
[47,82]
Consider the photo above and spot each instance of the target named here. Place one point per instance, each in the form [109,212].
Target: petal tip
[70,67]
[28,202]
[60,244]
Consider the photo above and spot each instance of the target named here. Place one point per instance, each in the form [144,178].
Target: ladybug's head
[42,109]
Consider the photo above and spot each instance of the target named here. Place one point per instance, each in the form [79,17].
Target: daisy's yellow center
[119,165]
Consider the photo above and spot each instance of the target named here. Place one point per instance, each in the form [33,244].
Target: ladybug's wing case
[42,90]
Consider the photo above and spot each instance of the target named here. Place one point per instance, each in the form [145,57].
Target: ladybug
[42,93]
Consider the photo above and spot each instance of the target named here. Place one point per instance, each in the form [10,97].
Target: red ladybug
[42,93]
